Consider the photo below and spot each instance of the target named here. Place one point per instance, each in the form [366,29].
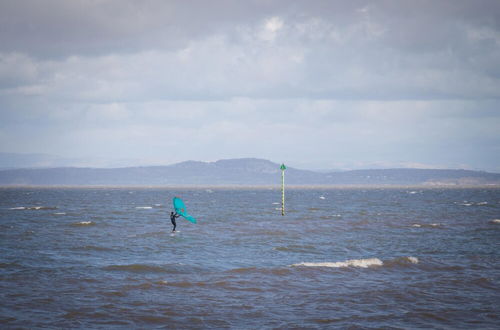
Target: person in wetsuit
[172,218]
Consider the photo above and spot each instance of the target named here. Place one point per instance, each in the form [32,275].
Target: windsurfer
[172,218]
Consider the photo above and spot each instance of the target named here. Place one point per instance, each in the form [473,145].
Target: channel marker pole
[283,168]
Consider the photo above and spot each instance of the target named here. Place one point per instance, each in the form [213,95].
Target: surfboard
[180,208]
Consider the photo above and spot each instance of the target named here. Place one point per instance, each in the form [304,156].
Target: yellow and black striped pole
[283,168]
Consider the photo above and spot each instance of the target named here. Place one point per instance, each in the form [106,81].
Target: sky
[314,84]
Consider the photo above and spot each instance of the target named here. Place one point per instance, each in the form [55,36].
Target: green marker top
[283,167]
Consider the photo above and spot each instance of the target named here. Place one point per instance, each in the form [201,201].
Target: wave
[360,263]
[402,261]
[147,268]
[34,208]
[427,225]
[137,268]
[84,223]
[495,221]
[255,270]
[468,203]
[94,248]
[144,207]
[295,248]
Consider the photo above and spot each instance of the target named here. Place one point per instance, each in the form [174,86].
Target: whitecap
[41,208]
[321,197]
[361,263]
[18,208]
[60,213]
[427,225]
[83,223]
[413,260]
[482,203]
[143,207]
[276,203]
[402,261]
[495,221]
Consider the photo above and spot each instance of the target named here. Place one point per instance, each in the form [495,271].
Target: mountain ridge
[240,171]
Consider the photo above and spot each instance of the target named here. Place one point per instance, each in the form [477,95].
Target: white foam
[482,203]
[321,197]
[276,203]
[60,213]
[143,207]
[413,260]
[18,208]
[361,263]
[433,225]
[85,223]
[495,221]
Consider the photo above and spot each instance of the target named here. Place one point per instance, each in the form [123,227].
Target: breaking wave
[360,263]
[84,223]
[495,221]
[34,208]
[427,225]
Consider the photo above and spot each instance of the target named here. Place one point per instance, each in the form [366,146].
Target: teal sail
[180,208]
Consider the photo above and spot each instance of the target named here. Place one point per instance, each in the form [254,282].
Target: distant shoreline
[256,187]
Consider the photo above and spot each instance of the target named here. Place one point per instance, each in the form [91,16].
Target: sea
[346,257]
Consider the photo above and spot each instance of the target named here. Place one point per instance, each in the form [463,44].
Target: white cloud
[271,28]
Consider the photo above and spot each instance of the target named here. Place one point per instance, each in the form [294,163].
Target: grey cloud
[61,28]
[319,83]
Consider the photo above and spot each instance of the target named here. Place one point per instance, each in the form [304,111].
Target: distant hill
[246,171]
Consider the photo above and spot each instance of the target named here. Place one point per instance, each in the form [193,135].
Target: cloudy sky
[314,84]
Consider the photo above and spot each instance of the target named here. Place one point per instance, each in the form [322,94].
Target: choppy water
[375,258]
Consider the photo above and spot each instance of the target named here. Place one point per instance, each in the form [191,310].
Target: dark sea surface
[362,258]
